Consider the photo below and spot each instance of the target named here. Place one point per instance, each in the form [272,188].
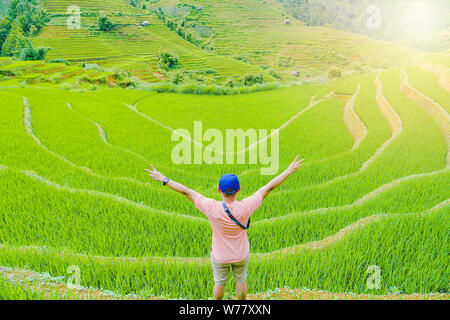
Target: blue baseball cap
[229,183]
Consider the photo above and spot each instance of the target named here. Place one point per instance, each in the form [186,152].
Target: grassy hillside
[443,59]
[255,30]
[41,74]
[90,6]
[436,41]
[398,18]
[231,37]
[131,46]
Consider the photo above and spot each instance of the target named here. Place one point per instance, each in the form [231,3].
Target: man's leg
[220,272]
[241,290]
[219,291]
[240,276]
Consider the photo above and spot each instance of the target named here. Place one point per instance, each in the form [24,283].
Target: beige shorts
[222,270]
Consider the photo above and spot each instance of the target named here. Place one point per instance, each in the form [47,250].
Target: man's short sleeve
[253,202]
[203,204]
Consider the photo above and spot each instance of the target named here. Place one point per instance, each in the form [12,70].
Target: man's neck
[229,200]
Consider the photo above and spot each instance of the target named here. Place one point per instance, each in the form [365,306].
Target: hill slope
[258,30]
[438,41]
[224,32]
[398,18]
[131,46]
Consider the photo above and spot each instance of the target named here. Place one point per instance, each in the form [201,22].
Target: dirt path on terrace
[101,131]
[324,243]
[371,195]
[304,294]
[442,72]
[51,289]
[392,117]
[434,109]
[49,286]
[354,124]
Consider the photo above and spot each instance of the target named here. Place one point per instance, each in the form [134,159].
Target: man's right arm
[178,187]
[293,167]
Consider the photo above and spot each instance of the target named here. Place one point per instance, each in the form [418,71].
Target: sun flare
[420,16]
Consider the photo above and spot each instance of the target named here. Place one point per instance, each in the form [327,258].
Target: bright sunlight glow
[420,16]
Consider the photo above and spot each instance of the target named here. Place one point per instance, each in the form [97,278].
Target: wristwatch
[166,181]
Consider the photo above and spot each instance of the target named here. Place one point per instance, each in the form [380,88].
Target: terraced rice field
[131,47]
[373,191]
[268,41]
[255,31]
[112,6]
[49,75]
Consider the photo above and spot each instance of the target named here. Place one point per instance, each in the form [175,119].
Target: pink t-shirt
[229,241]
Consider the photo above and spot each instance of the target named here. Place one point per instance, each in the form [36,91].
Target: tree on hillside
[28,52]
[134,3]
[15,40]
[24,18]
[105,23]
[252,79]
[334,73]
[168,60]
[176,77]
[33,12]
[5,28]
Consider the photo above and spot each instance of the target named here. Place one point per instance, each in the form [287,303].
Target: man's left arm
[178,187]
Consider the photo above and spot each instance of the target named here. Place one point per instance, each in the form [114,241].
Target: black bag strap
[233,218]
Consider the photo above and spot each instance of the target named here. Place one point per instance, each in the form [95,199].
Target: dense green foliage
[15,39]
[168,60]
[105,23]
[23,19]
[182,20]
[5,28]
[334,73]
[28,52]
[32,13]
[252,79]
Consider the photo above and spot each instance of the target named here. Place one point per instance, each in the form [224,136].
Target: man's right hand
[178,187]
[155,174]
